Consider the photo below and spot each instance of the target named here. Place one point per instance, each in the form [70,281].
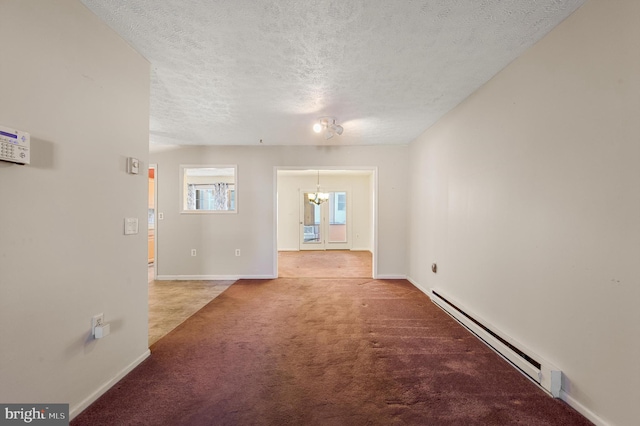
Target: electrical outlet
[96,321]
[193,252]
[237,252]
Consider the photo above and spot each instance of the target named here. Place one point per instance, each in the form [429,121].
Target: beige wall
[83,95]
[527,195]
[252,229]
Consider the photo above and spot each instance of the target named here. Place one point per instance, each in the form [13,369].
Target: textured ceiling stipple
[233,72]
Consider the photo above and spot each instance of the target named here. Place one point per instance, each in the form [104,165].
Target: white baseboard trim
[390,277]
[258,277]
[79,408]
[213,277]
[590,415]
[351,249]
[419,287]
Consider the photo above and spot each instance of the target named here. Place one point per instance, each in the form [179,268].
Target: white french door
[325,226]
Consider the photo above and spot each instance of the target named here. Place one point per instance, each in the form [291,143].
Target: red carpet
[304,351]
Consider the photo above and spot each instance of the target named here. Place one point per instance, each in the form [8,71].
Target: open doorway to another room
[151,224]
[332,237]
[171,302]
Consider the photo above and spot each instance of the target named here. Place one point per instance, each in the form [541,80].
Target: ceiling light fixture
[328,124]
[317,197]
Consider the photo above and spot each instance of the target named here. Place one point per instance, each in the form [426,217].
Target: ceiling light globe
[317,127]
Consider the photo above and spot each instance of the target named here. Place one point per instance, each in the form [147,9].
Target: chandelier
[317,197]
[328,124]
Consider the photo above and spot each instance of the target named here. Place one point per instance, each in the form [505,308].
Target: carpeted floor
[309,351]
[325,264]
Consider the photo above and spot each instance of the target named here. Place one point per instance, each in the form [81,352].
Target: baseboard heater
[539,370]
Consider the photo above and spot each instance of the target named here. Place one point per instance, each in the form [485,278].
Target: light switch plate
[130,225]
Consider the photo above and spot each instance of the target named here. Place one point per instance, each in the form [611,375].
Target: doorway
[345,221]
[151,224]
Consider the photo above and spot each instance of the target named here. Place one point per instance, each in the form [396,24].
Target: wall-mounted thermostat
[14,146]
[133,166]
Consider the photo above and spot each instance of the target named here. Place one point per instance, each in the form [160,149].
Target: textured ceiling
[233,72]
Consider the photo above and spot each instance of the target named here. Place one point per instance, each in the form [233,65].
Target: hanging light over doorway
[317,197]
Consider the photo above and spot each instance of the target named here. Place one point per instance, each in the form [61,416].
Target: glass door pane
[337,217]
[324,226]
[312,219]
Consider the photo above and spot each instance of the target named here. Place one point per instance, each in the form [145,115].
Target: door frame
[154,166]
[374,213]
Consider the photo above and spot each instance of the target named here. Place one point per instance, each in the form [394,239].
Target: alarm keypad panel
[14,146]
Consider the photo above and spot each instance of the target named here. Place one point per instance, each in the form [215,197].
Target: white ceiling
[234,72]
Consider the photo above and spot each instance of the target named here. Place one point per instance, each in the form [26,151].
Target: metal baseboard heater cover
[539,370]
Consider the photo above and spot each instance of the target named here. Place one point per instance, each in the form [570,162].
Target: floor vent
[540,371]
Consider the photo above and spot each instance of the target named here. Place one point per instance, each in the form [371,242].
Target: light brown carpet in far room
[325,264]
